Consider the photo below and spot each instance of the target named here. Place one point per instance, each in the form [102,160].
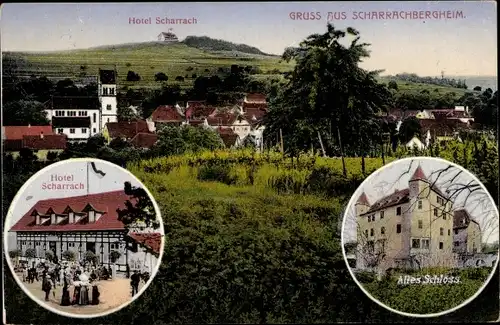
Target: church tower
[107,97]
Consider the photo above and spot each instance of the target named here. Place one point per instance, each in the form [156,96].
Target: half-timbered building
[86,223]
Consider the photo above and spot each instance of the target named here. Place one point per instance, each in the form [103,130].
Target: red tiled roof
[199,111]
[223,119]
[403,114]
[166,113]
[195,103]
[462,219]
[107,202]
[144,140]
[363,199]
[196,122]
[126,129]
[17,132]
[442,127]
[419,175]
[255,97]
[228,136]
[253,105]
[47,142]
[253,115]
[151,241]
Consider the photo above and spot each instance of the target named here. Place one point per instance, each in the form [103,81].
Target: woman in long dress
[84,290]
[95,293]
[65,300]
[76,292]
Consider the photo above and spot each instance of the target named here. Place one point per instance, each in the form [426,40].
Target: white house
[415,143]
[82,117]
[167,37]
[237,123]
[85,223]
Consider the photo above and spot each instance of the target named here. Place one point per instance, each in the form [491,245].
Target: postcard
[323,162]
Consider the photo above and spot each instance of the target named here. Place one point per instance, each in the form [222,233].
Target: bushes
[217,172]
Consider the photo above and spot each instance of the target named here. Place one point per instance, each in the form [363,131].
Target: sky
[395,176]
[32,191]
[464,46]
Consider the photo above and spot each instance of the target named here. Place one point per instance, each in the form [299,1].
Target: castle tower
[107,97]
[418,184]
[362,205]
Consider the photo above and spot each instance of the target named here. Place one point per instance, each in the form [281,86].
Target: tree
[49,256]
[392,85]
[409,128]
[249,142]
[24,112]
[133,76]
[91,257]
[179,79]
[160,76]
[15,253]
[139,209]
[114,256]
[125,113]
[30,253]
[69,256]
[118,144]
[178,140]
[477,88]
[327,95]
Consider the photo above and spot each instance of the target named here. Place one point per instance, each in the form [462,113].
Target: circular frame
[353,200]
[38,301]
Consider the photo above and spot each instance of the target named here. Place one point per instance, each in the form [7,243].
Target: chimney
[41,135]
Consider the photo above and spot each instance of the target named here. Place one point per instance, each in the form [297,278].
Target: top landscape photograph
[252,125]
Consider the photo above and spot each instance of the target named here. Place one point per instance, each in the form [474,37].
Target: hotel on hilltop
[414,227]
[87,223]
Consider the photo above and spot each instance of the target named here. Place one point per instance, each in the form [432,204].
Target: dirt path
[114,293]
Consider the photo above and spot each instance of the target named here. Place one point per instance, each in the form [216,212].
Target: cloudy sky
[465,46]
[395,176]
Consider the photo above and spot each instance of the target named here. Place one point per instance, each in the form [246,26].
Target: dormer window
[37,219]
[53,218]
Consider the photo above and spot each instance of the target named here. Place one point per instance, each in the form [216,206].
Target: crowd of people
[80,277]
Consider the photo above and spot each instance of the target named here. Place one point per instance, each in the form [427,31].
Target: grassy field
[147,59]
[415,87]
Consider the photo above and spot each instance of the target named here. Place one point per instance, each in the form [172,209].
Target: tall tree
[327,95]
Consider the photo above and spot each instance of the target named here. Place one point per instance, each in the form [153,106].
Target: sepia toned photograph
[421,236]
[84,238]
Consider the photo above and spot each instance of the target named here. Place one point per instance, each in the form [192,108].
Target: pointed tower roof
[419,175]
[363,199]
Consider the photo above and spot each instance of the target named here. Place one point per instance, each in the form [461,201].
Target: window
[369,218]
[60,131]
[108,107]
[398,211]
[111,91]
[113,246]
[415,243]
[441,231]
[373,217]
[420,224]
[108,120]
[444,216]
[398,228]
[37,243]
[382,230]
[94,117]
[72,131]
[435,212]
[371,232]
[82,113]
[366,232]
[71,113]
[104,90]
[71,244]
[449,232]
[441,245]
[381,214]
[420,205]
[456,231]
[94,130]
[84,130]
[426,243]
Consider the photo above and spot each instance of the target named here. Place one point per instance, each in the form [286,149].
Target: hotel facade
[87,223]
[411,228]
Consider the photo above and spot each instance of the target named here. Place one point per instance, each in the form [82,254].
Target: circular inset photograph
[84,238]
[420,237]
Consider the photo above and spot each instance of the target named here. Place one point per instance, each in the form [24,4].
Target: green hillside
[147,59]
